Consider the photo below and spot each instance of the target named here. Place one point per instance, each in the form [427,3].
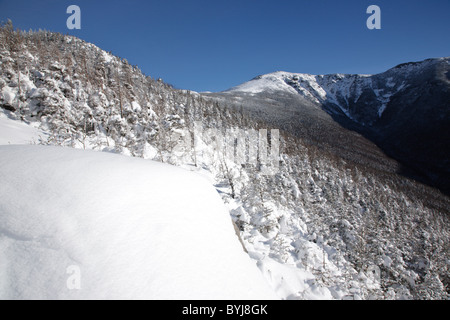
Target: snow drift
[133,229]
[16,132]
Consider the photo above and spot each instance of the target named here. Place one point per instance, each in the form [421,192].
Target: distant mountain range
[403,113]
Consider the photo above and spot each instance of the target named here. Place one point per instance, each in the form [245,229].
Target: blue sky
[210,45]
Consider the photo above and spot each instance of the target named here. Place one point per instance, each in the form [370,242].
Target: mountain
[403,112]
[332,220]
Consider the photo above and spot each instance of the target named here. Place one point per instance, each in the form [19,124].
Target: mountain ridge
[405,110]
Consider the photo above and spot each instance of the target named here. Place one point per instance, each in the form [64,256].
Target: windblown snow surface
[126,228]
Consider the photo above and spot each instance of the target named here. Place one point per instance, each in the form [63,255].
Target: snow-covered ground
[92,225]
[16,132]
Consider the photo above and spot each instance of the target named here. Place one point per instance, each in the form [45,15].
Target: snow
[15,132]
[381,109]
[135,106]
[337,89]
[292,282]
[316,88]
[7,95]
[390,83]
[107,57]
[131,231]
[79,224]
[291,277]
[268,82]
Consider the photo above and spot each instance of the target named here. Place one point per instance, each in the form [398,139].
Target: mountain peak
[404,109]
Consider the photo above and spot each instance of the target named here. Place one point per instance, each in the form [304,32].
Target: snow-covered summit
[269,82]
[318,89]
[341,92]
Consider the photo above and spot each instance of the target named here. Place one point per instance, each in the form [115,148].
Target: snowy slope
[269,82]
[16,132]
[132,228]
[316,88]
[362,98]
